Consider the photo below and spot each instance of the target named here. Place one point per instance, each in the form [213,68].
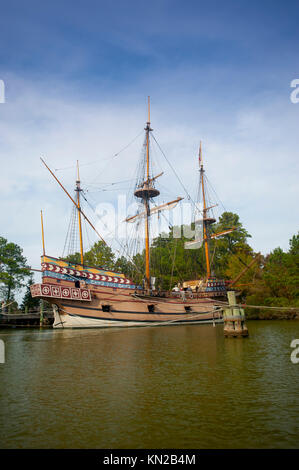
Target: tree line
[272,281]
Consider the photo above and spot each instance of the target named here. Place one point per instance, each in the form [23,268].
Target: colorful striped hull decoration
[107,279]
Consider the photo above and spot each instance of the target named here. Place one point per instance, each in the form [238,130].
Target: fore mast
[78,190]
[146,191]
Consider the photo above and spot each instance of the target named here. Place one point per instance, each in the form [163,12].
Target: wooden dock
[25,320]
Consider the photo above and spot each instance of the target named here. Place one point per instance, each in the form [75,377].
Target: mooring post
[41,312]
[234,318]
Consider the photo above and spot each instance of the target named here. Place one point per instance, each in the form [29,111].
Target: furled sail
[195,244]
[155,210]
[219,234]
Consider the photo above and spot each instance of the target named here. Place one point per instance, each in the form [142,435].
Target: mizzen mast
[206,219]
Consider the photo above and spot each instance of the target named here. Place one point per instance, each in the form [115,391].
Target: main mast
[206,220]
[146,203]
[146,192]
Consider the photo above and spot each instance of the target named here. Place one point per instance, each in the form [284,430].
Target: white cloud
[250,155]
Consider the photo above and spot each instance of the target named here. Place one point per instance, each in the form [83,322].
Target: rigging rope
[266,307]
[173,263]
[121,246]
[183,186]
[116,154]
[104,159]
[256,306]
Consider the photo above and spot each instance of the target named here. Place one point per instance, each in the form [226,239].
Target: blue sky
[77,76]
[107,45]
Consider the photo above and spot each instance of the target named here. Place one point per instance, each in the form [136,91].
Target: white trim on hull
[77,321]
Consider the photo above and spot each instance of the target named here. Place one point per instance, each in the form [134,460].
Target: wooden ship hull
[128,312]
[85,297]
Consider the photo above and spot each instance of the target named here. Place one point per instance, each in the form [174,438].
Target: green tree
[294,246]
[13,269]
[124,266]
[74,258]
[236,264]
[100,255]
[172,263]
[29,302]
[233,243]
[279,281]
[281,273]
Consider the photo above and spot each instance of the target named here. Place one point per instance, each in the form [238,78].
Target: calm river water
[158,387]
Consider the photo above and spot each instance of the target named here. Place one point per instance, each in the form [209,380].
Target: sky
[77,76]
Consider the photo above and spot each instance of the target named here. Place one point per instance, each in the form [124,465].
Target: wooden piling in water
[234,318]
[41,315]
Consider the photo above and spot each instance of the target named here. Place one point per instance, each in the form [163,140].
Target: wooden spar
[256,258]
[78,189]
[215,235]
[205,231]
[199,241]
[150,180]
[43,237]
[146,206]
[211,207]
[154,210]
[73,201]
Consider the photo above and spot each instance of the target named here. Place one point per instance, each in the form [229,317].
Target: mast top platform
[209,220]
[147,191]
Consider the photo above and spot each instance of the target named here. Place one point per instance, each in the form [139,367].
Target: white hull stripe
[77,321]
[83,307]
[143,321]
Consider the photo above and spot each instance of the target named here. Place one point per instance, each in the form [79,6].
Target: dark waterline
[163,387]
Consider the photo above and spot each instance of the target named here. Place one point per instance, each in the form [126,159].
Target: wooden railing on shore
[22,319]
[182,295]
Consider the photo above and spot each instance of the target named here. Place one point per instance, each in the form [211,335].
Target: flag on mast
[199,155]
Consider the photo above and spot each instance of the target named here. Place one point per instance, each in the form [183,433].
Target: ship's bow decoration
[60,292]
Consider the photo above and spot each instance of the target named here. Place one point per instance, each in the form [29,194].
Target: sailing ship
[86,296]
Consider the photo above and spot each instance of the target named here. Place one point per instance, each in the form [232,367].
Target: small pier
[24,320]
